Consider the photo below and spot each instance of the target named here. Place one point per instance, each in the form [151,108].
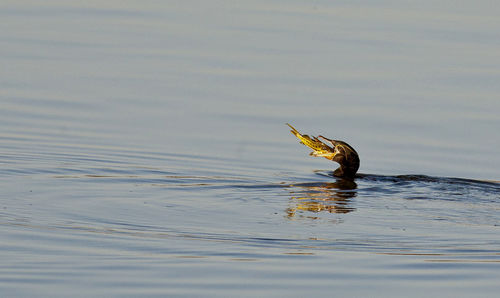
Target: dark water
[143,150]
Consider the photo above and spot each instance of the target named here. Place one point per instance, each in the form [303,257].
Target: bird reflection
[332,197]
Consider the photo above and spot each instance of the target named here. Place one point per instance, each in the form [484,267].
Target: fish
[339,151]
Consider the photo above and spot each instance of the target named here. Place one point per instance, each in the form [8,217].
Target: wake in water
[338,195]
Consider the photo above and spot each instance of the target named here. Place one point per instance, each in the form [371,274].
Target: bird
[339,151]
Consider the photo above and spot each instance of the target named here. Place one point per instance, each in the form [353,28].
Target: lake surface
[144,151]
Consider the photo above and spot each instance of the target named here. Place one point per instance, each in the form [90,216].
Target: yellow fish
[340,152]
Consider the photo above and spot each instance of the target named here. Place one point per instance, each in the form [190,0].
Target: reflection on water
[333,197]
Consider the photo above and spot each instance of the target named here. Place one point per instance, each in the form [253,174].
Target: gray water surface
[144,151]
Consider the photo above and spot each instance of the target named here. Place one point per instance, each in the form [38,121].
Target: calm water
[143,148]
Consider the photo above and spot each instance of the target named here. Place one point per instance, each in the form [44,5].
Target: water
[144,152]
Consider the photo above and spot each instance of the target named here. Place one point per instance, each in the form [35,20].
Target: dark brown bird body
[347,158]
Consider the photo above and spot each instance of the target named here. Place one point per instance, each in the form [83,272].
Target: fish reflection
[332,197]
